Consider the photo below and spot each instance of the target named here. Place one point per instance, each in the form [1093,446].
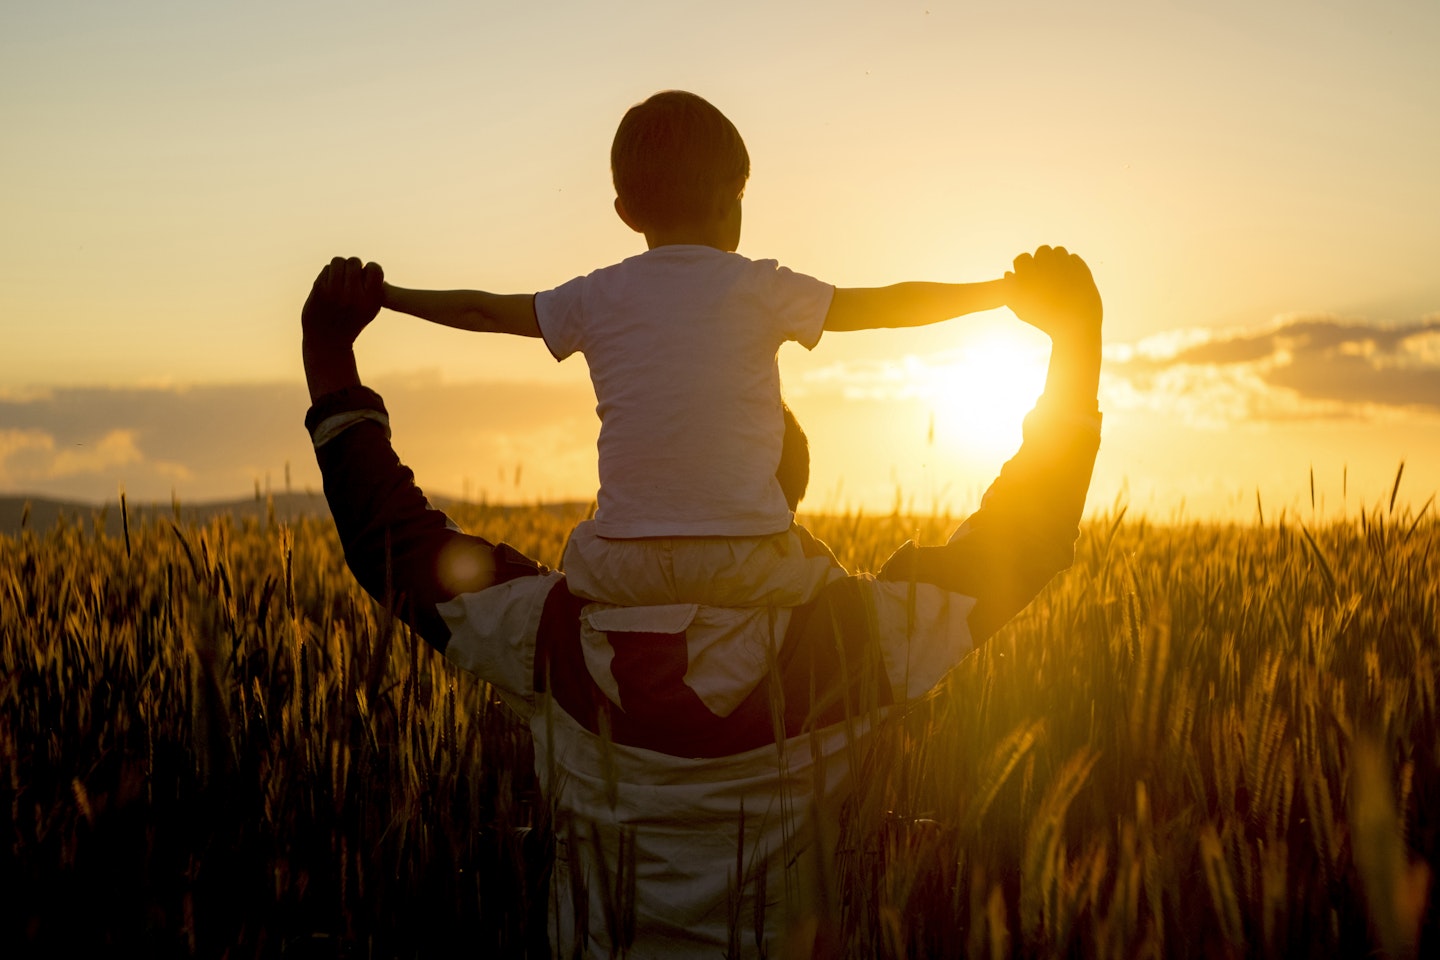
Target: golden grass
[1202,740]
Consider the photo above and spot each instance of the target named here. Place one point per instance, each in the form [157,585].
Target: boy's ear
[625,217]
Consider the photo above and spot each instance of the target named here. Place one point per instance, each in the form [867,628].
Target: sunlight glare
[979,394]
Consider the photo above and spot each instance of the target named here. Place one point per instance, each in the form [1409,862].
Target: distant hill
[42,513]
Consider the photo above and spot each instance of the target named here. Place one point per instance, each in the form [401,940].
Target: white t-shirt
[681,342]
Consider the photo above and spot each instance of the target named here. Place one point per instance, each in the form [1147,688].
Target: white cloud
[221,441]
[1300,367]
[15,442]
[34,459]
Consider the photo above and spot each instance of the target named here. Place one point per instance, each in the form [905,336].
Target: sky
[1252,184]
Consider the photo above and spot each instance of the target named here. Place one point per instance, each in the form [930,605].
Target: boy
[681,342]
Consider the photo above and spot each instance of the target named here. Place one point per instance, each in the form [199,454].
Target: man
[696,759]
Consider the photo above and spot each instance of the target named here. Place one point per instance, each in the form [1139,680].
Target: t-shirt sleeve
[799,302]
[560,312]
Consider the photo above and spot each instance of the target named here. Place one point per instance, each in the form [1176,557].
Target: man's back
[678,829]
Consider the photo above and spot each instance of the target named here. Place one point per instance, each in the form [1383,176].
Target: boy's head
[677,163]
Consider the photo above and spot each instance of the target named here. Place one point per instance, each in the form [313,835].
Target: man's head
[677,163]
[794,470]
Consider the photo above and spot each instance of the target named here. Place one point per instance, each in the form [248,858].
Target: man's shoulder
[497,633]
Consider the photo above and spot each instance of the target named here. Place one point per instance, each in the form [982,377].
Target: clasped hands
[343,300]
[1053,291]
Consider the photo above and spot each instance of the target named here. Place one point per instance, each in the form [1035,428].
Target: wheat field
[1202,740]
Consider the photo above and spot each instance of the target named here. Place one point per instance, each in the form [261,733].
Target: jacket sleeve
[404,553]
[1025,530]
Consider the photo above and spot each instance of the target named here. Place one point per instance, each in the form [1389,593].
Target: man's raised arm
[401,551]
[1025,530]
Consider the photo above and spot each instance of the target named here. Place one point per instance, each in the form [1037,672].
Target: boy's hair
[676,160]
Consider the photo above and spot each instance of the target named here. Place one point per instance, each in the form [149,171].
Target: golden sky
[1253,185]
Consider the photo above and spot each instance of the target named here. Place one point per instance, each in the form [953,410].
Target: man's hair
[794,470]
[676,160]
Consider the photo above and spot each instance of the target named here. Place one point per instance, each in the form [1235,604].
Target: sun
[980,391]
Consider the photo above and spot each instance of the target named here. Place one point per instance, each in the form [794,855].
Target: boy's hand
[1054,292]
[343,300]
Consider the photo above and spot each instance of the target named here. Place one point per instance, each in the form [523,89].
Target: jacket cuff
[334,413]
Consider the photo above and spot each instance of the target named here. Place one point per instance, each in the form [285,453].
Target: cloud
[221,441]
[1299,368]
[34,459]
[942,420]
[878,379]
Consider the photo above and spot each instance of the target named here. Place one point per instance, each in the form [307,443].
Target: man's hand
[343,300]
[1054,292]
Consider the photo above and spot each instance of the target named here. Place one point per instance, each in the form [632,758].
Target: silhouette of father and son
[695,676]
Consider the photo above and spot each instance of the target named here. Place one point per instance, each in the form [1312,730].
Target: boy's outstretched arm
[468,309]
[911,304]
